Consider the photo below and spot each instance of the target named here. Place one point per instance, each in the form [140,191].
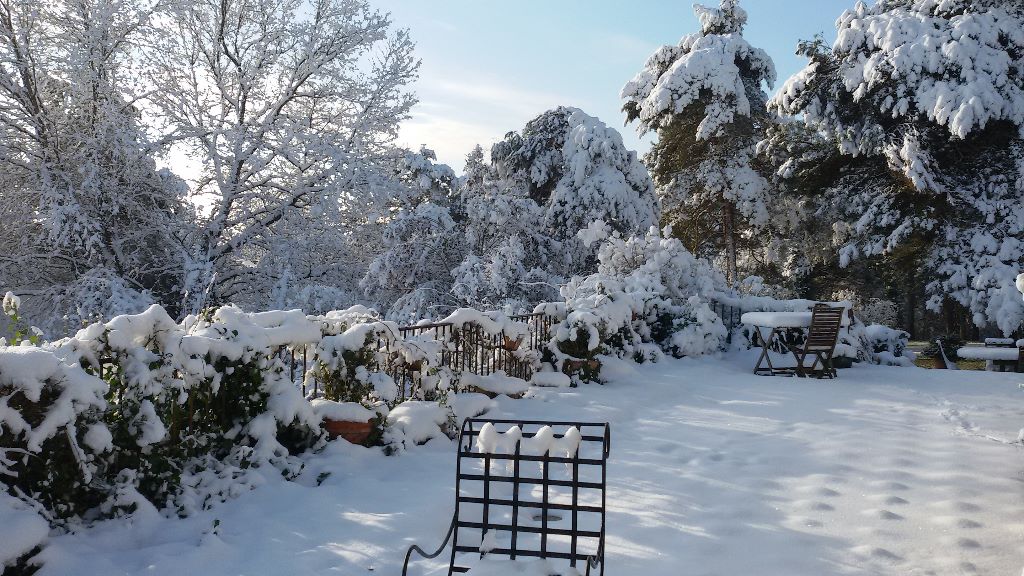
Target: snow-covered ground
[713,471]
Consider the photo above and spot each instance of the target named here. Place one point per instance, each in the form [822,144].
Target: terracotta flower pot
[572,366]
[354,432]
[512,345]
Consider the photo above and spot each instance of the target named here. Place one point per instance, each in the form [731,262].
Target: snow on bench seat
[990,353]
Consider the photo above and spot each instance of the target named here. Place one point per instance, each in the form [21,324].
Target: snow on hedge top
[1020,283]
[951,61]
[706,67]
[492,323]
[28,370]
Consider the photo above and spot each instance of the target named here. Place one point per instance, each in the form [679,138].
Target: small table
[779,322]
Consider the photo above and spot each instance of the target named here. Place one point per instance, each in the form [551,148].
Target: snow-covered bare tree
[96,228]
[705,99]
[925,99]
[290,109]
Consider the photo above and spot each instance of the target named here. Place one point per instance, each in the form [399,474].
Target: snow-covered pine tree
[506,236]
[931,94]
[565,170]
[705,99]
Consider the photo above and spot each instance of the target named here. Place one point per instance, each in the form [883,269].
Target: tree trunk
[729,230]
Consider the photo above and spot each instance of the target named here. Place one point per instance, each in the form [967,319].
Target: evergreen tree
[922,104]
[705,99]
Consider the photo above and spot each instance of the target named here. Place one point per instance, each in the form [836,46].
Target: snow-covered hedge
[144,414]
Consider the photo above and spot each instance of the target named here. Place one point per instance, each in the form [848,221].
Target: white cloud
[455,115]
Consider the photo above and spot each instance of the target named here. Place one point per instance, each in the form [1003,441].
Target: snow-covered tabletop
[988,353]
[777,319]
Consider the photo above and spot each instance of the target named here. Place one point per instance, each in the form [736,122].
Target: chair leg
[827,366]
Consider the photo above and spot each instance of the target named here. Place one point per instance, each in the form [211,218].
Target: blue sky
[488,67]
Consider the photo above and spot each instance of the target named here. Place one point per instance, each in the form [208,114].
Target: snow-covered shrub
[50,430]
[646,299]
[878,311]
[417,422]
[889,346]
[351,366]
[142,405]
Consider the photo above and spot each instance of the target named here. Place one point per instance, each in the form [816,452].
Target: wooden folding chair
[822,337]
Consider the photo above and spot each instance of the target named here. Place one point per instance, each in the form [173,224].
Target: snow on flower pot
[349,420]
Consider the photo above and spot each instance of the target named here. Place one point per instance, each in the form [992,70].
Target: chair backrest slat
[826,323]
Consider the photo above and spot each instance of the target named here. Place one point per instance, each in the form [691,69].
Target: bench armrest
[423,553]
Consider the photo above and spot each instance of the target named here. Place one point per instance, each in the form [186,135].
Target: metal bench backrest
[535,505]
[826,322]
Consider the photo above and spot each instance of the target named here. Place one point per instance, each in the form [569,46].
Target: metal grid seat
[528,489]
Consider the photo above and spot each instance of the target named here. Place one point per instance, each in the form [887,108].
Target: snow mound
[470,405]
[551,380]
[416,422]
[497,383]
[21,529]
[342,411]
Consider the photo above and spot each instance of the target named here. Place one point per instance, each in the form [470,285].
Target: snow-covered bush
[143,413]
[50,430]
[210,387]
[351,367]
[888,346]
[647,299]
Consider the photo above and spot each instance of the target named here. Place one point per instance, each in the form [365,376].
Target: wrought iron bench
[528,489]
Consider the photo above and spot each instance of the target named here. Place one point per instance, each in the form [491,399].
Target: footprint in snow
[967,507]
[967,543]
[666,448]
[894,486]
[968,524]
[883,514]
